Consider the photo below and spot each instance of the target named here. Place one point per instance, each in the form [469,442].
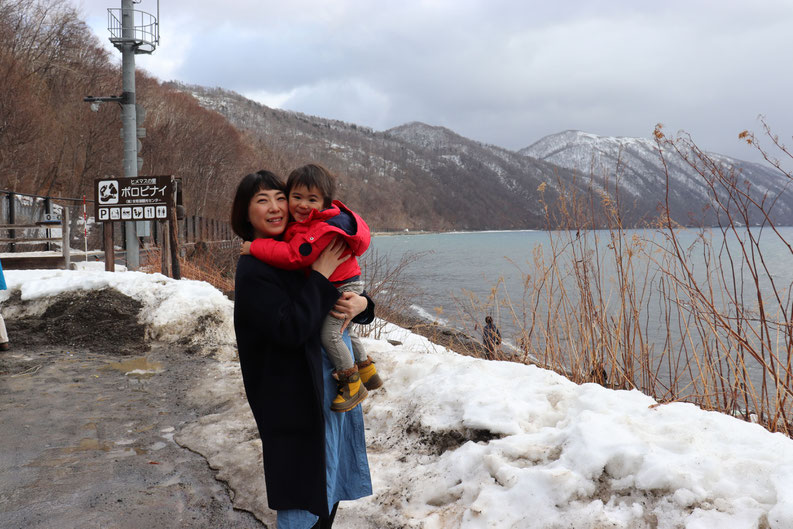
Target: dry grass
[726,328]
[390,288]
[214,263]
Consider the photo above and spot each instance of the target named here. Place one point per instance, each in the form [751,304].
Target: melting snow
[456,441]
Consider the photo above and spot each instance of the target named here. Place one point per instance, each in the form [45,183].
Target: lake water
[448,264]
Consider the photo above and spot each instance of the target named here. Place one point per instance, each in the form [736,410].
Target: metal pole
[12,218]
[85,229]
[129,120]
[165,247]
[48,210]
[65,239]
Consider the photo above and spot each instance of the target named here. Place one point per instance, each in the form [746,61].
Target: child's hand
[245,249]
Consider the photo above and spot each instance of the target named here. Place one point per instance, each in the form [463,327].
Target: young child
[318,219]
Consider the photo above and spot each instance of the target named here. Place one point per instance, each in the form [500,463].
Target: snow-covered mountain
[636,165]
[413,176]
[473,161]
[420,176]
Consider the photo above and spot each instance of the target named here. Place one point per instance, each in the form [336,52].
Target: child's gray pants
[332,340]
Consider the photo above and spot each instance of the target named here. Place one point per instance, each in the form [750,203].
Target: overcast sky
[497,71]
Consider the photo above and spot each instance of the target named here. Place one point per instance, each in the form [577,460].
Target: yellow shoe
[351,392]
[369,375]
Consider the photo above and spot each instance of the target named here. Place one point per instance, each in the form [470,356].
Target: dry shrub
[395,294]
[392,292]
[726,323]
[214,263]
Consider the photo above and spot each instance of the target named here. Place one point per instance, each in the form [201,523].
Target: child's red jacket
[304,241]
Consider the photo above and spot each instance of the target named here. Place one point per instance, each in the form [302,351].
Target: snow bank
[496,444]
[193,313]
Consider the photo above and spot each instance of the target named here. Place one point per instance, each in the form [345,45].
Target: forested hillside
[414,176]
[51,143]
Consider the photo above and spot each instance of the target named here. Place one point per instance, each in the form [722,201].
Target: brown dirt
[104,320]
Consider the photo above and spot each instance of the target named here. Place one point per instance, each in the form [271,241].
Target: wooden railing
[39,261]
[21,212]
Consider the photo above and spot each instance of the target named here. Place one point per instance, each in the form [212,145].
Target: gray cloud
[502,72]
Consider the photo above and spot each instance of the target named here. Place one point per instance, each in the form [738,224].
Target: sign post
[173,232]
[139,198]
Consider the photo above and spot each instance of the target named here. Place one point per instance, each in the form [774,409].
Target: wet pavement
[87,441]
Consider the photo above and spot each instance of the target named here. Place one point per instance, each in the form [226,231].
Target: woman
[313,458]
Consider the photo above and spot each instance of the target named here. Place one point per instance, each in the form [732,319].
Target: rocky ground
[89,420]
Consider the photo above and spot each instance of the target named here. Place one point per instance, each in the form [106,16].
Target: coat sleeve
[367,316]
[293,255]
[265,308]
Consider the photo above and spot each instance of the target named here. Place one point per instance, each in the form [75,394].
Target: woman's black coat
[277,318]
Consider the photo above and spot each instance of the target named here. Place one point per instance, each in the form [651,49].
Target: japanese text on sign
[140,198]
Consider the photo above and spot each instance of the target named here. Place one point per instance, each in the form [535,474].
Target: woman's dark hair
[313,175]
[247,188]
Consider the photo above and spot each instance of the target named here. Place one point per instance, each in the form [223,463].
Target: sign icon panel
[108,192]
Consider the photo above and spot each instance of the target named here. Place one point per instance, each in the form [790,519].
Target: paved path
[85,444]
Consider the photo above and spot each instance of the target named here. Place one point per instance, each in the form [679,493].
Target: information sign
[138,198]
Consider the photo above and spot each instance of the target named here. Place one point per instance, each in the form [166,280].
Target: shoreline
[377,233]
[449,232]
[445,336]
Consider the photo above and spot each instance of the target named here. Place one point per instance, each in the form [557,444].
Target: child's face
[302,200]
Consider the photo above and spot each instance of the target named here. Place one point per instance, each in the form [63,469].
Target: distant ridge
[637,163]
[423,177]
[414,176]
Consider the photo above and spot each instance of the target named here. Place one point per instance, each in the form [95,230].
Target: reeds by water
[726,327]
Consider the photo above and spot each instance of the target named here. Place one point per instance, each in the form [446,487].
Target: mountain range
[640,167]
[423,177]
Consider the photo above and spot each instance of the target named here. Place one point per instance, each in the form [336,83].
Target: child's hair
[313,175]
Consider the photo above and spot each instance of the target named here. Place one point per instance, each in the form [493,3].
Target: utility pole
[128,119]
[132,32]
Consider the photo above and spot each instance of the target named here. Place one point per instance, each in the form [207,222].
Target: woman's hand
[348,306]
[330,258]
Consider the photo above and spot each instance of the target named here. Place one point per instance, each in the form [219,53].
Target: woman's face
[267,213]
